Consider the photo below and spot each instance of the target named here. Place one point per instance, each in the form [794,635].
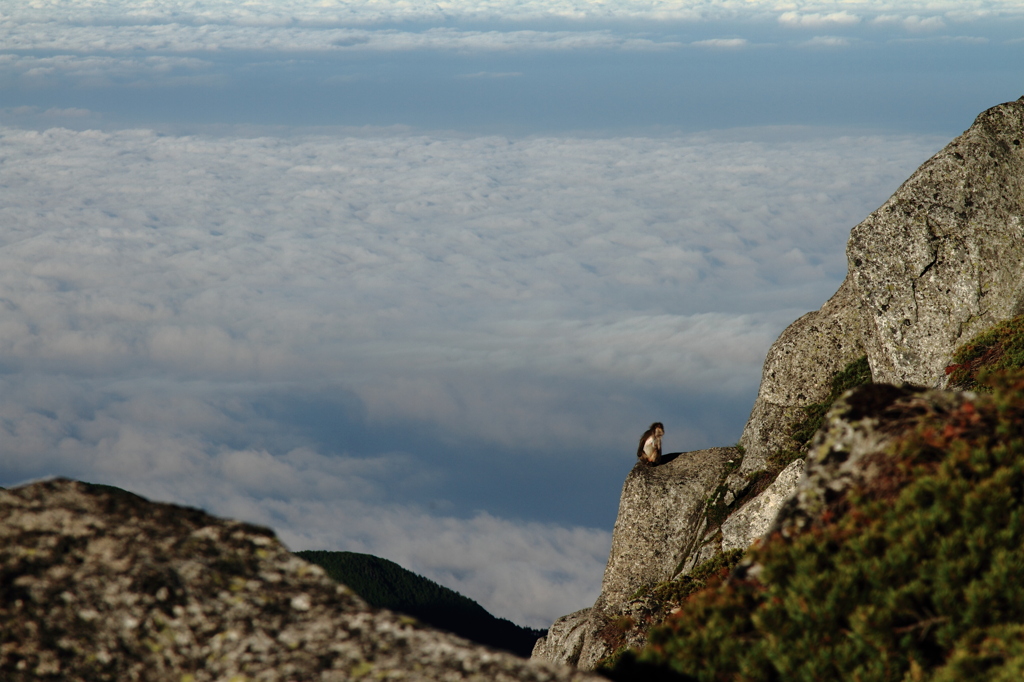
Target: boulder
[100,584]
[940,261]
[753,519]
[798,371]
[659,526]
[943,258]
[564,640]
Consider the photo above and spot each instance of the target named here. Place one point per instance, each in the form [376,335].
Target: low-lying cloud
[139,39]
[818,20]
[406,344]
[272,13]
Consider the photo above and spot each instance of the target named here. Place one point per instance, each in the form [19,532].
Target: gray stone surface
[565,639]
[798,371]
[659,525]
[940,261]
[943,258]
[104,585]
[753,519]
[659,521]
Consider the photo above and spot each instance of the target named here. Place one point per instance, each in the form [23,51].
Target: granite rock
[798,371]
[565,639]
[659,525]
[938,262]
[943,258]
[101,584]
[753,519]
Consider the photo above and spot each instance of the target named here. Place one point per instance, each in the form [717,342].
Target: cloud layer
[329,12]
[366,340]
[150,35]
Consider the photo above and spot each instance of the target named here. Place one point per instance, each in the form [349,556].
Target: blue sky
[411,278]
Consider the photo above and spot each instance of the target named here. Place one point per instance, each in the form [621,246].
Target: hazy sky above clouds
[410,278]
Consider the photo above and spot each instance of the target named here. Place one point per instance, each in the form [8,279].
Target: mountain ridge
[386,584]
[939,262]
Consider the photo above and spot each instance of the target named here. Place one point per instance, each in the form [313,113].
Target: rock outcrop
[845,452]
[660,522]
[797,371]
[943,258]
[755,518]
[565,639]
[938,262]
[101,584]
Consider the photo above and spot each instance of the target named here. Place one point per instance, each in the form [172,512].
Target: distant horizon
[410,279]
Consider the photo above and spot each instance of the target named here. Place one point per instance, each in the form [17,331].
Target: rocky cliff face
[661,520]
[897,559]
[105,585]
[940,261]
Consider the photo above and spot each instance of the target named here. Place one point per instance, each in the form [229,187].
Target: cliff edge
[938,262]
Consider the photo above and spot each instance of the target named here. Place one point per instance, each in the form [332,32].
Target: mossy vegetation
[915,577]
[661,600]
[856,373]
[675,592]
[717,509]
[999,348]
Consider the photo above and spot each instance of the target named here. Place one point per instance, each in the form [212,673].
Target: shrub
[916,577]
[999,348]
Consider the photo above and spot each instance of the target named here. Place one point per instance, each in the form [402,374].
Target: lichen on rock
[100,584]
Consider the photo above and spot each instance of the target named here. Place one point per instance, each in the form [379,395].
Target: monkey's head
[658,429]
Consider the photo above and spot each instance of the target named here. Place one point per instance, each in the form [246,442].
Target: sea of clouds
[435,347]
[215,26]
[326,12]
[196,318]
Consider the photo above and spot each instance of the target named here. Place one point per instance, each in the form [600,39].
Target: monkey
[649,450]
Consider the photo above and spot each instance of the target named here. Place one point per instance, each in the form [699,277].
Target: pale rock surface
[659,524]
[940,261]
[798,372]
[753,519]
[564,640]
[943,258]
[105,585]
[659,520]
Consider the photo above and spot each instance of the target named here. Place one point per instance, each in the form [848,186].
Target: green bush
[917,577]
[999,348]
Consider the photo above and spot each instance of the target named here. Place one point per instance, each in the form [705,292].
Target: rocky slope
[100,584]
[897,559]
[940,261]
[661,519]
